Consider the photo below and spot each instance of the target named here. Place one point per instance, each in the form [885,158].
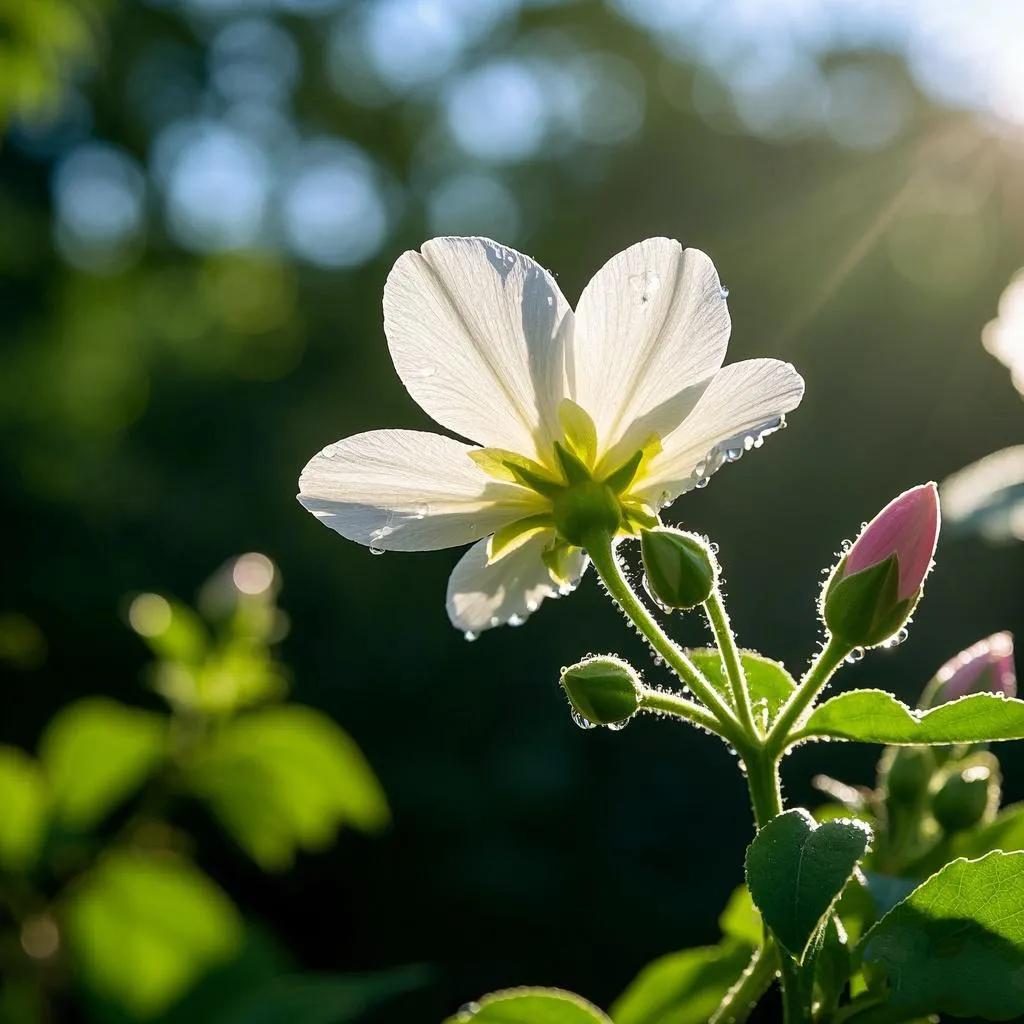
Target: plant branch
[718,618]
[602,554]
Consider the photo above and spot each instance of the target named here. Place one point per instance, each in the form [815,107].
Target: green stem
[718,617]
[755,980]
[795,1008]
[680,707]
[602,554]
[822,668]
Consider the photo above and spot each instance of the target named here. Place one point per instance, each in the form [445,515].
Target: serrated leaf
[796,870]
[530,1006]
[682,988]
[94,753]
[874,716]
[143,927]
[23,809]
[285,778]
[955,945]
[767,680]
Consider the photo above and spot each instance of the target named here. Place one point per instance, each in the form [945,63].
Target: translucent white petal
[405,490]
[651,329]
[476,331]
[481,596]
[744,402]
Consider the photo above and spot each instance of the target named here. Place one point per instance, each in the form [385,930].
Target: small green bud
[908,772]
[603,690]
[967,796]
[681,570]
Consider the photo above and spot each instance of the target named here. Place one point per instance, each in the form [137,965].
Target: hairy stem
[822,668]
[680,707]
[718,617]
[755,980]
[602,554]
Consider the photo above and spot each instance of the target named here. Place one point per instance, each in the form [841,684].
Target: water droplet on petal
[733,454]
[470,636]
[702,483]
[644,285]
[725,291]
[516,620]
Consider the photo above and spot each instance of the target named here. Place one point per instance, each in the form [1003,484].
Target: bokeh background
[200,202]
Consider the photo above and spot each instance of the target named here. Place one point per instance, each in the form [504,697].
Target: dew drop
[714,548]
[846,545]
[645,285]
[424,373]
[580,722]
[724,291]
[733,454]
[618,726]
[702,483]
[855,655]
[649,591]
[469,636]
[375,550]
[516,620]
[468,1011]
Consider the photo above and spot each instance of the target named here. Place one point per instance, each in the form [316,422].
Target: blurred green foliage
[97,884]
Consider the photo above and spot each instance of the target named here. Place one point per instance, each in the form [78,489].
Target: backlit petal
[651,329]
[476,331]
[744,401]
[405,490]
[481,596]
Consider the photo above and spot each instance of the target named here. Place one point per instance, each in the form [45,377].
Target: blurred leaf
[320,998]
[530,1006]
[874,716]
[95,753]
[286,777]
[1005,832]
[956,944]
[768,680]
[682,988]
[23,809]
[796,870]
[740,920]
[22,644]
[144,927]
[887,890]
[171,630]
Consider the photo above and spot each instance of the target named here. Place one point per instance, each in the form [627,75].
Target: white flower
[589,420]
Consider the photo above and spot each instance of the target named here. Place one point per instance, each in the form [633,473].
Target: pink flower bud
[985,667]
[907,527]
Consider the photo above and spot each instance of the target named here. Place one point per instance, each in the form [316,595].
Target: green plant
[98,885]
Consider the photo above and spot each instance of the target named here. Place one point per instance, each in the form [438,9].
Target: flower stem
[755,980]
[718,618]
[680,707]
[822,668]
[602,554]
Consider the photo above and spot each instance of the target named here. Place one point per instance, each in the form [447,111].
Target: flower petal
[476,331]
[481,596]
[406,490]
[652,327]
[744,402]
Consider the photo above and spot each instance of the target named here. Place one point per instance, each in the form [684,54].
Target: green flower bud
[968,795]
[681,570]
[602,690]
[907,772]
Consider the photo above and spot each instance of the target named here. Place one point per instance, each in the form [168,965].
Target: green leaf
[320,998]
[530,1006]
[740,920]
[768,680]
[682,988]
[956,944]
[796,870]
[23,810]
[95,753]
[1005,832]
[830,969]
[285,778]
[143,927]
[874,716]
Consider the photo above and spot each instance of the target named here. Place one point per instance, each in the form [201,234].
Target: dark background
[171,358]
